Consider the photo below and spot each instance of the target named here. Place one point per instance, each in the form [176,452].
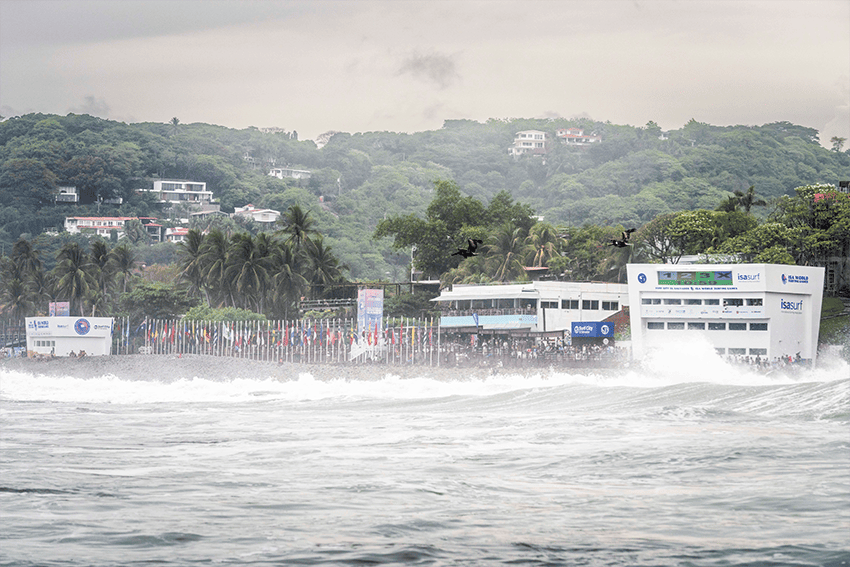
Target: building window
[720,350]
[610,305]
[758,351]
[737,326]
[654,325]
[672,302]
[548,304]
[712,302]
[733,302]
[755,301]
[676,326]
[693,302]
[696,326]
[590,304]
[737,351]
[758,326]
[646,301]
[569,304]
[717,326]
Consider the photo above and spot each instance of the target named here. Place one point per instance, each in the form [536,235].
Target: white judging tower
[755,310]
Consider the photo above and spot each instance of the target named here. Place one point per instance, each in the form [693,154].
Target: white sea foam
[677,364]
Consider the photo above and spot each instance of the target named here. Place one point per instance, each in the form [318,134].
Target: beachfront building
[539,308]
[59,336]
[753,310]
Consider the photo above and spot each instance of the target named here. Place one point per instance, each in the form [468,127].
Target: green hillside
[632,176]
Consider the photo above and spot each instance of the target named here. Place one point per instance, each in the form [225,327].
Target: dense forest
[631,177]
[381,204]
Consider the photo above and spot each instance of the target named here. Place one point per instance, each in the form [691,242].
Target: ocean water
[688,461]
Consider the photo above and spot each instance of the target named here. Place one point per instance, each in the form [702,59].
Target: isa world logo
[792,278]
[82,327]
[642,278]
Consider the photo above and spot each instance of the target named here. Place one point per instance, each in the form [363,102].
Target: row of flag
[241,334]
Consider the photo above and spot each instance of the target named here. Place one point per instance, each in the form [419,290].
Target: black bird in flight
[472,246]
[624,239]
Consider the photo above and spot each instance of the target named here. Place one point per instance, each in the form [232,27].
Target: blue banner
[592,329]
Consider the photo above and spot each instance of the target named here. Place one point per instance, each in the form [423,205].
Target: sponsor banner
[695,278]
[591,329]
[69,326]
[791,305]
[370,310]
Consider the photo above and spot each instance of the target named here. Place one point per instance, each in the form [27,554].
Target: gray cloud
[434,68]
[92,105]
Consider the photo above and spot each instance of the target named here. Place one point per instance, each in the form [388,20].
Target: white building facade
[101,226]
[176,192]
[290,173]
[764,310]
[539,307]
[267,216]
[529,142]
[58,336]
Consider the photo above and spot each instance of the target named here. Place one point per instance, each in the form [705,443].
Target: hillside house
[529,142]
[67,194]
[103,226]
[266,216]
[290,173]
[576,137]
[177,192]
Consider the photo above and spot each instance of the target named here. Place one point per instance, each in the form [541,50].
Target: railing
[510,311]
[330,341]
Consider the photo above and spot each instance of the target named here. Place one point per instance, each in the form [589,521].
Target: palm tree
[25,257]
[213,263]
[191,267]
[506,252]
[248,270]
[74,274]
[543,240]
[749,199]
[16,299]
[123,261]
[325,266]
[288,281]
[135,231]
[298,227]
[41,285]
[174,124]
[100,258]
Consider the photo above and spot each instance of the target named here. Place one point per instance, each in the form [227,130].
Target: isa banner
[370,309]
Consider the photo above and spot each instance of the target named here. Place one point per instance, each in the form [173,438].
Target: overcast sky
[406,66]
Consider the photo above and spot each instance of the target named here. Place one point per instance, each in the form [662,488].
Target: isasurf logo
[82,327]
[791,305]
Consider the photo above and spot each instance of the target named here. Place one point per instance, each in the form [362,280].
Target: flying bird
[471,247]
[624,239]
